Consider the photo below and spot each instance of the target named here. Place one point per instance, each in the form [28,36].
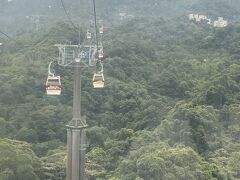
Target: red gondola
[89,35]
[53,85]
[100,55]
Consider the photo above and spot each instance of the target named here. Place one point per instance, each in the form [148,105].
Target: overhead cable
[68,16]
[95,21]
[9,37]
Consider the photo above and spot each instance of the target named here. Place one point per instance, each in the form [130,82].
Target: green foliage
[6,128]
[54,164]
[170,109]
[98,160]
[17,161]
[97,136]
[159,161]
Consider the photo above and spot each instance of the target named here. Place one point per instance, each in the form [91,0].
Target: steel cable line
[96,35]
[47,35]
[66,13]
[72,23]
[95,22]
[68,16]
[77,29]
[9,37]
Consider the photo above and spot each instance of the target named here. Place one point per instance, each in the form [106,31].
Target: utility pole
[72,55]
[76,135]
[35,19]
[78,56]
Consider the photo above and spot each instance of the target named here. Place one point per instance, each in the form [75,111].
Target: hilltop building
[191,16]
[209,21]
[123,16]
[220,23]
[202,18]
[197,17]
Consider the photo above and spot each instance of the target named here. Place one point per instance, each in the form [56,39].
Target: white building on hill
[220,22]
[197,17]
[204,19]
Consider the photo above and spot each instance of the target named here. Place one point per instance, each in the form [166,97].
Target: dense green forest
[169,111]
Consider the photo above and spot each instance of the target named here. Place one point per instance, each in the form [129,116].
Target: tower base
[76,149]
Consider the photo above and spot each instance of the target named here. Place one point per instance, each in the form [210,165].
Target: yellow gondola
[101,30]
[98,80]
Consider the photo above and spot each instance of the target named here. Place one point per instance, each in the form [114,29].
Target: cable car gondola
[89,35]
[101,30]
[98,80]
[53,85]
[100,55]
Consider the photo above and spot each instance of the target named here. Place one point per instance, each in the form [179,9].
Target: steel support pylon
[76,135]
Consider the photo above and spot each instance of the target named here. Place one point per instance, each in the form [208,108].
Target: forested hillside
[18,16]
[170,108]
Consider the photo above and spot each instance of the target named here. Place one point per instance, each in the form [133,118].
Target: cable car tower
[87,54]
